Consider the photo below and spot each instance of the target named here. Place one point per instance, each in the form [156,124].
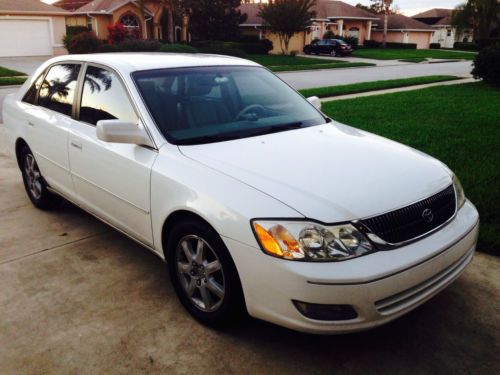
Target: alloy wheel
[200,273]
[33,176]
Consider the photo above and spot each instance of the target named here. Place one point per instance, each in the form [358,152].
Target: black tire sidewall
[233,304]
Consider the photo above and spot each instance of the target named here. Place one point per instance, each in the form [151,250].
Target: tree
[216,19]
[482,15]
[383,7]
[287,17]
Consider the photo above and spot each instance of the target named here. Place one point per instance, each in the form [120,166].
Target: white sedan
[257,201]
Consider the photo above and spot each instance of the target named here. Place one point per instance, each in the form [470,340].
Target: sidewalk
[399,89]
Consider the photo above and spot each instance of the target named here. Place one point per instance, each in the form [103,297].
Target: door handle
[76,145]
[30,123]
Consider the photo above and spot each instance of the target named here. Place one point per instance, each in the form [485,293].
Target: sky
[411,7]
[408,7]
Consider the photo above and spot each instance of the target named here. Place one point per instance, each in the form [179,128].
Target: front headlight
[459,190]
[307,241]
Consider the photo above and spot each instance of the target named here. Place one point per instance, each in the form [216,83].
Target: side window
[104,98]
[57,90]
[30,95]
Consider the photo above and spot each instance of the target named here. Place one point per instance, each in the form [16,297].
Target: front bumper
[381,286]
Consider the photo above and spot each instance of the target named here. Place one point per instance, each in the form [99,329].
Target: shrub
[224,51]
[486,42]
[435,46]
[329,34]
[105,47]
[138,45]
[84,43]
[470,46]
[372,44]
[401,45]
[351,40]
[179,48]
[116,33]
[74,30]
[261,47]
[486,65]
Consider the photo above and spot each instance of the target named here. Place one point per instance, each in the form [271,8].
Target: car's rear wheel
[34,183]
[203,274]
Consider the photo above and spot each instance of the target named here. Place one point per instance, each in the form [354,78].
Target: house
[336,16]
[342,19]
[31,28]
[444,33]
[402,29]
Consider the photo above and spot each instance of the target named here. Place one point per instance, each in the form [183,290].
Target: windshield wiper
[220,137]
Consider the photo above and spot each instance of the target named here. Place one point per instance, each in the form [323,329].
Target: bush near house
[138,45]
[116,33]
[85,42]
[377,44]
[468,46]
[435,46]
[487,65]
[217,47]
[178,48]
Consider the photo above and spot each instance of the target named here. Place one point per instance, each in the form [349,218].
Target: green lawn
[4,72]
[398,54]
[323,92]
[7,81]
[414,60]
[280,63]
[459,124]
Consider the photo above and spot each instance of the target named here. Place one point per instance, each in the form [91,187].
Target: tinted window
[30,96]
[104,98]
[211,104]
[57,90]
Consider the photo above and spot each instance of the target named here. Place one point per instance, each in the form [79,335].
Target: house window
[448,32]
[354,32]
[131,24]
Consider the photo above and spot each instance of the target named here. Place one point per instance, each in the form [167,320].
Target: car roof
[131,62]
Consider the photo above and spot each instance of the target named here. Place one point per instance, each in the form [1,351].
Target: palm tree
[169,7]
[387,11]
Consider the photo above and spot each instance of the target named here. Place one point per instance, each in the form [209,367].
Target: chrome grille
[415,220]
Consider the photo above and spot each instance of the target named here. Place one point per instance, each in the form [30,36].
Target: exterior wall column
[369,30]
[340,27]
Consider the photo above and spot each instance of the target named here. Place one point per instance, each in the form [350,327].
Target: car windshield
[212,104]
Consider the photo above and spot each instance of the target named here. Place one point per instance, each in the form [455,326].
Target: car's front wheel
[203,274]
[34,183]
[333,53]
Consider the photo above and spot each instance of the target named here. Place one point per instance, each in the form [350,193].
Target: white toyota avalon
[257,201]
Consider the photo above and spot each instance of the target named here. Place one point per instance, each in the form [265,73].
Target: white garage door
[25,37]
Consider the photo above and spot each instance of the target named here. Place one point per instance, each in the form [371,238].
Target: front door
[112,180]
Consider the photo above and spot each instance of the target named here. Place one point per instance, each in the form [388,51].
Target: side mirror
[314,100]
[118,131]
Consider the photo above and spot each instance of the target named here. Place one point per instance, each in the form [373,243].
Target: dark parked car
[332,47]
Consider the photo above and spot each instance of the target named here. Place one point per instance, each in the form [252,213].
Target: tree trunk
[171,26]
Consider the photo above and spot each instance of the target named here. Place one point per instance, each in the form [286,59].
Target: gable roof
[324,9]
[400,22]
[70,4]
[105,6]
[434,13]
[29,6]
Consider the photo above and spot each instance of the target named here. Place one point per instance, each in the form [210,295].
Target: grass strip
[9,81]
[323,92]
[4,72]
[460,131]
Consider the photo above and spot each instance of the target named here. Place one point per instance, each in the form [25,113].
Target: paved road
[332,77]
[78,297]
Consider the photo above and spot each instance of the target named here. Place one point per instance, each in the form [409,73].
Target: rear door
[49,119]
[111,180]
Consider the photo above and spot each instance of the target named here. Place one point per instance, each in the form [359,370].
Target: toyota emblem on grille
[427,215]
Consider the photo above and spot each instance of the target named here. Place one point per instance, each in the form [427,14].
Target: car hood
[330,173]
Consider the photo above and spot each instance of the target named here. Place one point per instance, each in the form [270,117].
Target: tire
[216,298]
[333,53]
[307,51]
[35,184]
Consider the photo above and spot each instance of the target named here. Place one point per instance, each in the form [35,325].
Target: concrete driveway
[78,297]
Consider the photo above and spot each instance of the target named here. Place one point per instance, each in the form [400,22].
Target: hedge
[377,44]
[435,46]
[178,48]
[487,66]
[470,46]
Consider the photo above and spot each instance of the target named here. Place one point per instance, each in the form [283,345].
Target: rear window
[57,90]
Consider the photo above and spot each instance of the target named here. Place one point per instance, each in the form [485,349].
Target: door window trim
[79,95]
